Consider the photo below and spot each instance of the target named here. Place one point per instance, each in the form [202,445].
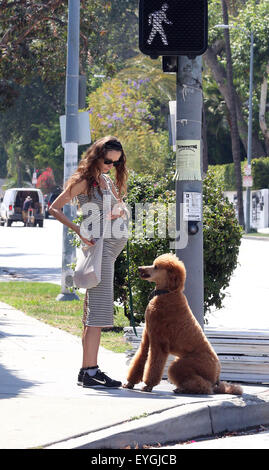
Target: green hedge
[260,171]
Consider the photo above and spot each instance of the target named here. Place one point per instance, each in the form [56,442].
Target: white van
[12,205]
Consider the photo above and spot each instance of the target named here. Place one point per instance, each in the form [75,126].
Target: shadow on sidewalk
[11,384]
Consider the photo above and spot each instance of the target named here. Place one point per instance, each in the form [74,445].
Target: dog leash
[132,320]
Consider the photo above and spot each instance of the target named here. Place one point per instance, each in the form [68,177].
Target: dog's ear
[176,277]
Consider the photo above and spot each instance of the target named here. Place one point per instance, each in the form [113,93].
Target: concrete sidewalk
[42,406]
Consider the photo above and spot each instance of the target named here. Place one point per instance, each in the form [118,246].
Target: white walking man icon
[156,19]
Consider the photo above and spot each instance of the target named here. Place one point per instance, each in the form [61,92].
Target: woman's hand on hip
[87,241]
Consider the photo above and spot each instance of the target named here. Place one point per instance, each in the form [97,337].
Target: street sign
[247,181]
[247,170]
[173,27]
[247,177]
[84,132]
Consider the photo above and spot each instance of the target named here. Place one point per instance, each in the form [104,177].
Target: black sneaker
[100,379]
[81,375]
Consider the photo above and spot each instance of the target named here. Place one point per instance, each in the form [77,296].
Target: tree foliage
[123,108]
[47,148]
[22,124]
[33,38]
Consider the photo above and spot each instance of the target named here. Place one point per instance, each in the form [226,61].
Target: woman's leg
[90,341]
[93,377]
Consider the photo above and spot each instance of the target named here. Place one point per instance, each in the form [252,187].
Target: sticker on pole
[188,160]
[192,206]
[247,177]
[247,181]
[247,170]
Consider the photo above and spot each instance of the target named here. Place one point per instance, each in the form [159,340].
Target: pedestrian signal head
[173,27]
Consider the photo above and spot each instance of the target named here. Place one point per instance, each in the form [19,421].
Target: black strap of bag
[130,290]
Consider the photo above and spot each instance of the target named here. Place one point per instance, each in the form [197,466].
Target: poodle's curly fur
[171,328]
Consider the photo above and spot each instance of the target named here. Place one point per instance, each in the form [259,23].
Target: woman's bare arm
[64,198]
[119,209]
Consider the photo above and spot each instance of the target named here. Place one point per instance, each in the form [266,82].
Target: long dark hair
[89,168]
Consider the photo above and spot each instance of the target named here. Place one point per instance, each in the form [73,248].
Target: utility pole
[189,177]
[71,140]
[178,32]
[249,153]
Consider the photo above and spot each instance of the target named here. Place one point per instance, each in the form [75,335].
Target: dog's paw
[128,385]
[147,388]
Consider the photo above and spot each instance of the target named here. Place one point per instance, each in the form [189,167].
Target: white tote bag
[88,268]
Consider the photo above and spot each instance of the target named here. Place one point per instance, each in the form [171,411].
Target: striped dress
[99,300]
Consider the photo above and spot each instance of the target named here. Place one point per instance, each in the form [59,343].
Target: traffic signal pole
[189,177]
[71,141]
[178,31]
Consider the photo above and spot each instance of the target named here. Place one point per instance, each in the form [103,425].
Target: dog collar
[157,292]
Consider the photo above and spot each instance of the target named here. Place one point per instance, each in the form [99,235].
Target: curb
[181,423]
[255,237]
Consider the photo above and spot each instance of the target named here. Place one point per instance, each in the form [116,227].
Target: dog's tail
[225,387]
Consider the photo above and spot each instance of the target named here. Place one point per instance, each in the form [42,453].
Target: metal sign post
[71,140]
[189,177]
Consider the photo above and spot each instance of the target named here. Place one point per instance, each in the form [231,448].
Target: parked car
[51,198]
[12,206]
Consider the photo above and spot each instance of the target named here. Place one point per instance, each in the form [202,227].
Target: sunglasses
[110,162]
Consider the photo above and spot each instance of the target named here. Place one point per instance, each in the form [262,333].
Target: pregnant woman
[91,184]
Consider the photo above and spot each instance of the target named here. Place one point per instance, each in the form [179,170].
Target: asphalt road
[31,253]
[246,304]
[257,439]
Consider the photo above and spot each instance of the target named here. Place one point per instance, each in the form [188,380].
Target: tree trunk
[19,171]
[219,75]
[262,110]
[233,116]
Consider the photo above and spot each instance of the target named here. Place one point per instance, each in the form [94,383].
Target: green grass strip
[38,299]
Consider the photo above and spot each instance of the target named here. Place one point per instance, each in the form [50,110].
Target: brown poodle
[171,328]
